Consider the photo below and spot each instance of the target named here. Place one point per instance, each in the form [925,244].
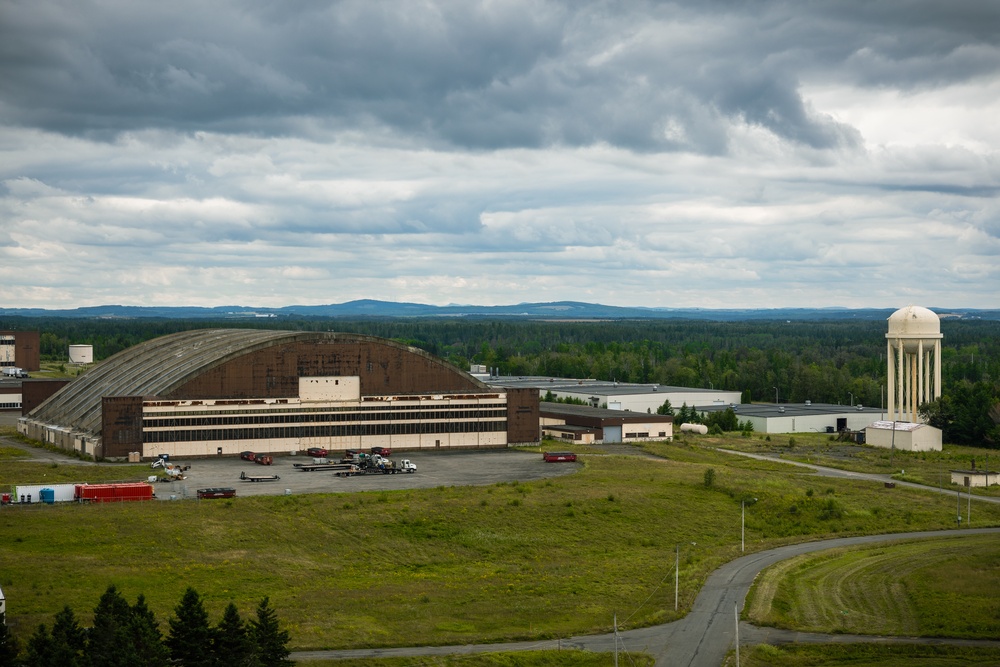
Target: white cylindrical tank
[694,428]
[81,354]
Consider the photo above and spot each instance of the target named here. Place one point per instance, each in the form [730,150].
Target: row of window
[297,418]
[325,409]
[298,432]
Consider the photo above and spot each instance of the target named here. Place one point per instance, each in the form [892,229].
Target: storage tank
[694,428]
[81,354]
[47,496]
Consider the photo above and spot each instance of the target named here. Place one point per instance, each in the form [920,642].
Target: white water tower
[913,361]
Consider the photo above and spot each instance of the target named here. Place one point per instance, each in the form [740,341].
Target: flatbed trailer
[313,467]
[258,478]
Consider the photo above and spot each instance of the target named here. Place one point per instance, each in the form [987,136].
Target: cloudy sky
[717,154]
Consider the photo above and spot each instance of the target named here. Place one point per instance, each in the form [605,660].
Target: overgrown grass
[518,659]
[928,468]
[439,566]
[869,655]
[938,588]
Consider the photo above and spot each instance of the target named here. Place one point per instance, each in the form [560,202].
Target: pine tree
[39,652]
[231,641]
[190,637]
[69,640]
[272,643]
[9,646]
[146,637]
[108,640]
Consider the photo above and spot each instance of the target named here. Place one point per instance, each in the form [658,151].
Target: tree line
[828,361]
[124,635]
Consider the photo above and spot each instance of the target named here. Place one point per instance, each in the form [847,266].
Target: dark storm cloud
[645,76]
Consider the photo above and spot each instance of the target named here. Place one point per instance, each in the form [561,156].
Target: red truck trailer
[111,493]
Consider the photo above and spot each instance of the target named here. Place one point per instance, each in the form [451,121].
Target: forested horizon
[830,361]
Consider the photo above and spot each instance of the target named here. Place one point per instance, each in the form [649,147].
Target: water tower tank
[81,354]
[913,361]
[912,324]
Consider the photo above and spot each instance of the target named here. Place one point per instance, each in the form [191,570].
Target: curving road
[706,634]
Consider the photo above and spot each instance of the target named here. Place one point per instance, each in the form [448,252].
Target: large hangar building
[216,392]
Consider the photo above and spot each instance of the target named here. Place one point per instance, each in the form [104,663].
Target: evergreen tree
[272,643]
[190,637]
[665,409]
[108,640]
[9,646]
[69,640]
[231,641]
[146,637]
[39,653]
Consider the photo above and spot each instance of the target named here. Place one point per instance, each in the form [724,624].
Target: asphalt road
[707,633]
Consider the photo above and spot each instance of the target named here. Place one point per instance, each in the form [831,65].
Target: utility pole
[775,395]
[892,450]
[677,578]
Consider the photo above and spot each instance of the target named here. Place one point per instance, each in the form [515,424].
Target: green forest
[839,361]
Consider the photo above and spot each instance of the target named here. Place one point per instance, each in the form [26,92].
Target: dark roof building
[220,391]
[582,423]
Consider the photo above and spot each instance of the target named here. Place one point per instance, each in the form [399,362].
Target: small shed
[975,477]
[904,436]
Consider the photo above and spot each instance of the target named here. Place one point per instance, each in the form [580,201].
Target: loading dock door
[612,434]
[841,424]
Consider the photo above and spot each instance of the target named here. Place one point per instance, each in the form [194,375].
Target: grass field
[451,565]
[520,659]
[929,468]
[870,655]
[936,588]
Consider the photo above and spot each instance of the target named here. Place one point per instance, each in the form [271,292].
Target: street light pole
[775,395]
[677,578]
[852,398]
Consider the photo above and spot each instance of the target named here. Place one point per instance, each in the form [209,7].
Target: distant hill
[557,310]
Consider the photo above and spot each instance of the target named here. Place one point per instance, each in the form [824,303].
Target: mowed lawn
[450,565]
[935,588]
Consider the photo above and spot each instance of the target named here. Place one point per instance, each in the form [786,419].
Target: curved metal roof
[159,366]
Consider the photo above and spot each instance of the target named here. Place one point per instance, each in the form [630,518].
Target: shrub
[709,478]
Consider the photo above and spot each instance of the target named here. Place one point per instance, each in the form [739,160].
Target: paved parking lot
[434,468]
[458,468]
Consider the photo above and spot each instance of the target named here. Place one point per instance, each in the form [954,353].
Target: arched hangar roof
[160,366]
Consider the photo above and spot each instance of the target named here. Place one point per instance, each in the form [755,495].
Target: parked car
[264,459]
[552,457]
[382,451]
[316,452]
[248,456]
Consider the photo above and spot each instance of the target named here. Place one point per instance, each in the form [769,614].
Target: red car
[552,457]
[248,456]
[316,452]
[382,451]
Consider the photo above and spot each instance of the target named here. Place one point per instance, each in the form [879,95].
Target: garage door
[612,434]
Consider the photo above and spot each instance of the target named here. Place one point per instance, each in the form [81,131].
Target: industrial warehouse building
[216,392]
[20,349]
[626,396]
[584,424]
[801,417]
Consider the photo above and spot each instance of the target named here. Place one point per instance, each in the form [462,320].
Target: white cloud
[657,155]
